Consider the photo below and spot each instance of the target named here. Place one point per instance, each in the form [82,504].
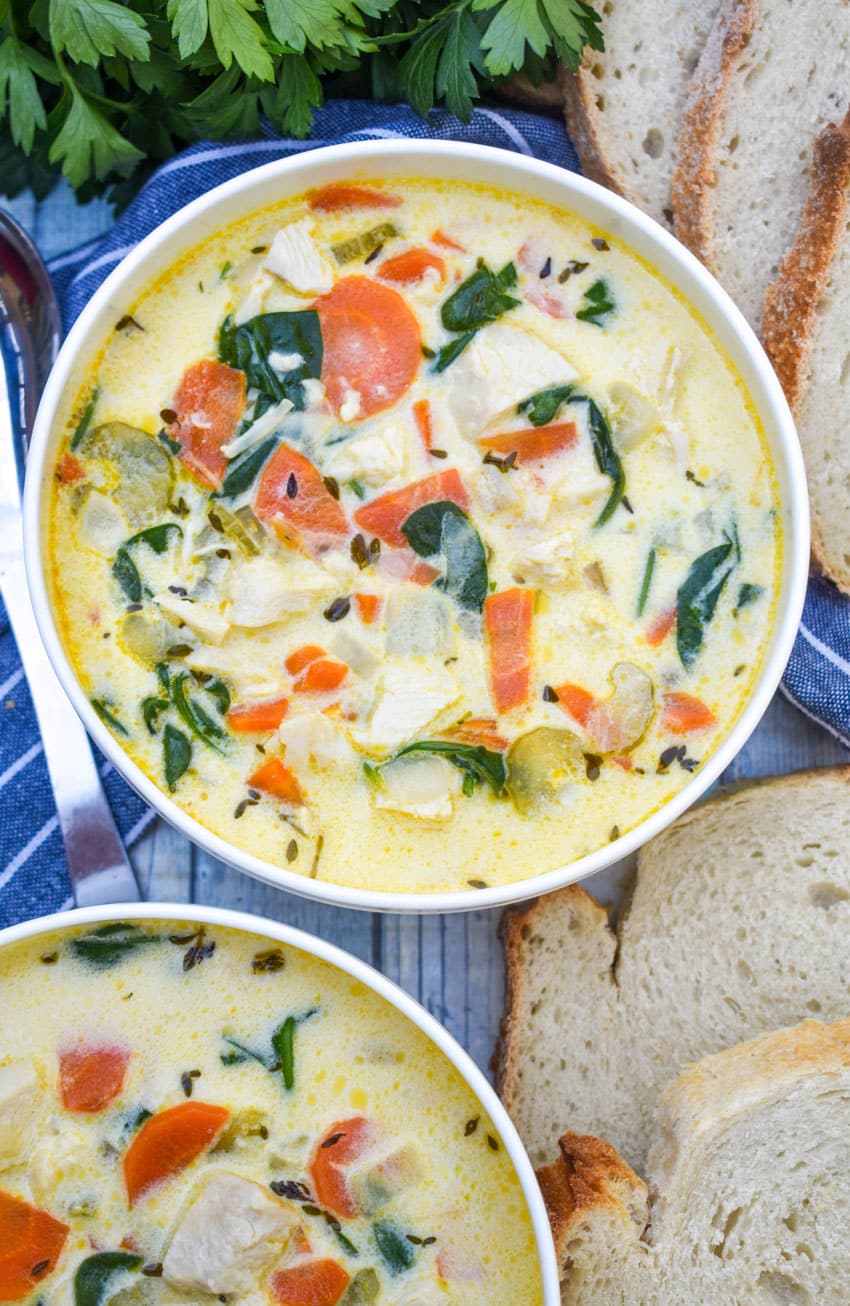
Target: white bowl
[277,182]
[373,980]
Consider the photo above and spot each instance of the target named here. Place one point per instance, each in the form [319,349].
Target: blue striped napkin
[34,880]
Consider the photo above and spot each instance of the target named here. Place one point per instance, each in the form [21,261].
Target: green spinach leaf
[646,583]
[195,714]
[102,707]
[110,944]
[243,471]
[482,298]
[698,594]
[152,710]
[442,529]
[599,304]
[249,345]
[483,765]
[176,755]
[747,594]
[396,1252]
[283,1042]
[126,573]
[85,421]
[95,1274]
[447,354]
[607,459]
[543,407]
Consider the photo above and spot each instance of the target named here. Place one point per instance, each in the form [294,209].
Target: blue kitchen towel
[34,880]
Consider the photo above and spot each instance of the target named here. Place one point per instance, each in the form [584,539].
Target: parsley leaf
[568,25]
[189,23]
[18,67]
[90,30]
[599,304]
[236,35]
[88,143]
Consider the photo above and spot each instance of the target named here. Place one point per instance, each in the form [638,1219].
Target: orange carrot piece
[480,730]
[508,620]
[91,1076]
[169,1141]
[368,607]
[424,424]
[310,1283]
[659,628]
[410,266]
[321,676]
[534,444]
[209,403]
[440,238]
[302,657]
[384,516]
[277,780]
[293,499]
[30,1241]
[343,195]
[371,344]
[683,714]
[579,702]
[257,718]
[69,469]
[342,1144]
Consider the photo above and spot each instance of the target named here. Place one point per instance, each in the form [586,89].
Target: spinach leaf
[242,1053]
[94,1274]
[543,406]
[219,691]
[248,346]
[242,472]
[482,298]
[195,715]
[448,353]
[176,755]
[607,459]
[155,537]
[283,1042]
[152,710]
[85,421]
[599,304]
[483,765]
[699,592]
[443,529]
[747,594]
[646,582]
[102,708]
[396,1252]
[126,573]
[110,944]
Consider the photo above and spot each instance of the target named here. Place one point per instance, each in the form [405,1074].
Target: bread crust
[791,301]
[589,1175]
[583,125]
[694,174]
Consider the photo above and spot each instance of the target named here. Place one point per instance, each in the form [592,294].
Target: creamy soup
[192,1115]
[414,537]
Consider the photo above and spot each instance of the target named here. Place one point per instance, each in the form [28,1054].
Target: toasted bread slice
[771,76]
[737,924]
[807,336]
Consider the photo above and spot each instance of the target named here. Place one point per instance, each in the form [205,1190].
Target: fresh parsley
[598,304]
[102,90]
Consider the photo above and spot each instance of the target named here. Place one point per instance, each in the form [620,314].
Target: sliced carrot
[659,628]
[371,344]
[440,238]
[302,657]
[410,266]
[343,195]
[277,780]
[580,703]
[321,676]
[31,1242]
[310,1283]
[368,607]
[384,516]
[343,1143]
[209,403]
[683,714]
[480,730]
[293,499]
[534,444]
[91,1076]
[169,1141]
[257,718]
[424,425]
[70,469]
[508,620]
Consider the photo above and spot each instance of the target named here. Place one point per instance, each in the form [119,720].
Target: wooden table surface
[452,964]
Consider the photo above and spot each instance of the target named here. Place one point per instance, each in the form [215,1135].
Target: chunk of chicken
[409,698]
[262,591]
[204,619]
[19,1091]
[502,366]
[228,1236]
[313,737]
[549,564]
[296,259]
[375,458]
[419,786]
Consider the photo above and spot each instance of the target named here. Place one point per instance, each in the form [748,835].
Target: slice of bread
[624,105]
[738,923]
[771,76]
[807,336]
[749,1184]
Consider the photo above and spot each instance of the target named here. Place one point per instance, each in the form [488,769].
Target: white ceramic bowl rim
[515,172]
[373,980]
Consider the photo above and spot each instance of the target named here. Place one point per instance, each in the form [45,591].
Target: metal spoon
[30,331]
